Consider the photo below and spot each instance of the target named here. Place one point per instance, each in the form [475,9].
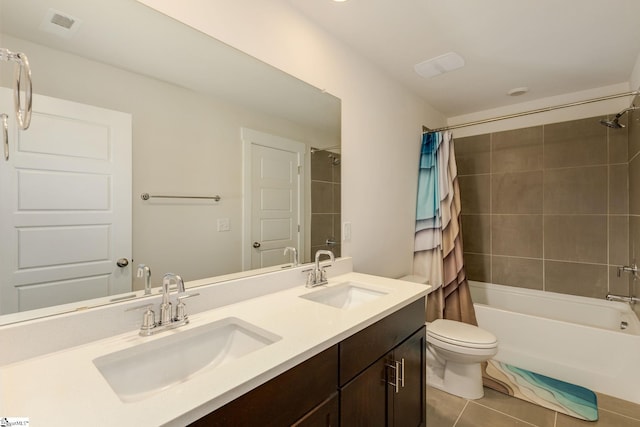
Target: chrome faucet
[318,276]
[294,251]
[144,271]
[167,319]
[633,269]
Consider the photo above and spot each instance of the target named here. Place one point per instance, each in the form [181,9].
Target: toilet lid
[462,334]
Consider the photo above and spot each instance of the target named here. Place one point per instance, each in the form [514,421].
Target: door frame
[252,137]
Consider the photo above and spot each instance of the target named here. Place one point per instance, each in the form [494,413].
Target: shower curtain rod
[526,113]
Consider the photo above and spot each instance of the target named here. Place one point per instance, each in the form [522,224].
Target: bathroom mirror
[189,98]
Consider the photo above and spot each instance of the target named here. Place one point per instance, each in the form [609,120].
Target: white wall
[183,143]
[381,120]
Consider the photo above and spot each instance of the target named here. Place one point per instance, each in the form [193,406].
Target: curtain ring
[23,114]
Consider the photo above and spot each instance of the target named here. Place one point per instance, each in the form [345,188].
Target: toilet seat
[461,334]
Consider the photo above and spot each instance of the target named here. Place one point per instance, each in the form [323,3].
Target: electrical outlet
[223,224]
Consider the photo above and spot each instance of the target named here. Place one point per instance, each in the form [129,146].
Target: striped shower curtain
[438,238]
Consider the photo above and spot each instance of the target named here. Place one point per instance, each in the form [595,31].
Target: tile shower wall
[634,194]
[325,201]
[547,207]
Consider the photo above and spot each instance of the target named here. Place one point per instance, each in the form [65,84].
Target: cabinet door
[324,415]
[407,402]
[363,400]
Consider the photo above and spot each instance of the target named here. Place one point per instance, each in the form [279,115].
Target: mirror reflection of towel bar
[147,196]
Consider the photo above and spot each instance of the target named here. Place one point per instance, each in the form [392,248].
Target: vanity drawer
[365,347]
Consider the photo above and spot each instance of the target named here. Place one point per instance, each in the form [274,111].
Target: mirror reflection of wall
[185,141]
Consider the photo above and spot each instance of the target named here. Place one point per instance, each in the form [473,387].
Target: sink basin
[138,372]
[345,295]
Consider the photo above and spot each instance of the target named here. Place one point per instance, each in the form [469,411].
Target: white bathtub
[574,339]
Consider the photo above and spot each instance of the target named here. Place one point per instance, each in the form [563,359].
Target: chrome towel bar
[147,196]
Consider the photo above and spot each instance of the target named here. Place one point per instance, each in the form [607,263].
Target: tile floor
[499,410]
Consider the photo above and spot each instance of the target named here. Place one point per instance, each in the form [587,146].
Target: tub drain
[623,325]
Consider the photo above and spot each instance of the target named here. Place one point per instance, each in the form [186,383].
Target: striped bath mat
[550,393]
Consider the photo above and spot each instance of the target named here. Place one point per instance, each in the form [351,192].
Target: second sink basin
[345,295]
[138,372]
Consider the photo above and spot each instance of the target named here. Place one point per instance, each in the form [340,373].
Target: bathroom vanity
[374,377]
[273,353]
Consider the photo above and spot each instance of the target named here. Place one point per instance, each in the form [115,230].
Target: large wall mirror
[193,111]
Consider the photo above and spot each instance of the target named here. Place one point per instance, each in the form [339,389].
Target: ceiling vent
[439,65]
[59,23]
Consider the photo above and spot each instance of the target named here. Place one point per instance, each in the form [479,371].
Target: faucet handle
[181,308]
[148,318]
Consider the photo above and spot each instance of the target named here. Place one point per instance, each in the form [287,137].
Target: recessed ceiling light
[518,91]
[439,65]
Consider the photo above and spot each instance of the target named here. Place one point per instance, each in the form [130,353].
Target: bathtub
[585,341]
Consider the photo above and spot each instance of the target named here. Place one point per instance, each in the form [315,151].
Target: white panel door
[65,212]
[274,201]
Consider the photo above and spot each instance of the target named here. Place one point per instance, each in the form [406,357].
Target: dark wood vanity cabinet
[350,384]
[390,391]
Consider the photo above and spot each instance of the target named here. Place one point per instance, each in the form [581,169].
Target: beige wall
[546,207]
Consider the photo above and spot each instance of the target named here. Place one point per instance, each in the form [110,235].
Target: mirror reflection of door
[273,172]
[66,205]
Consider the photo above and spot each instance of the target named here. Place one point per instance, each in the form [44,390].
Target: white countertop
[65,388]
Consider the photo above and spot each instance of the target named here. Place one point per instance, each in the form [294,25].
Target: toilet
[455,351]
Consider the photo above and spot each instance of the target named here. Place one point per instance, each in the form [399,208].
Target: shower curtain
[438,237]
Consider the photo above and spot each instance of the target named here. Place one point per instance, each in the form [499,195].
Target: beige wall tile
[634,239]
[321,169]
[589,280]
[475,194]
[618,189]
[619,285]
[336,203]
[472,154]
[618,239]
[634,186]
[321,228]
[575,143]
[634,131]
[516,235]
[581,238]
[322,197]
[476,235]
[618,143]
[519,272]
[576,190]
[517,150]
[478,267]
[516,193]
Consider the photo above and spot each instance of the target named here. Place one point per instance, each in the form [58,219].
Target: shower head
[614,123]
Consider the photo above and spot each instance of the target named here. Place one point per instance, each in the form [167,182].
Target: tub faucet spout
[622,298]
